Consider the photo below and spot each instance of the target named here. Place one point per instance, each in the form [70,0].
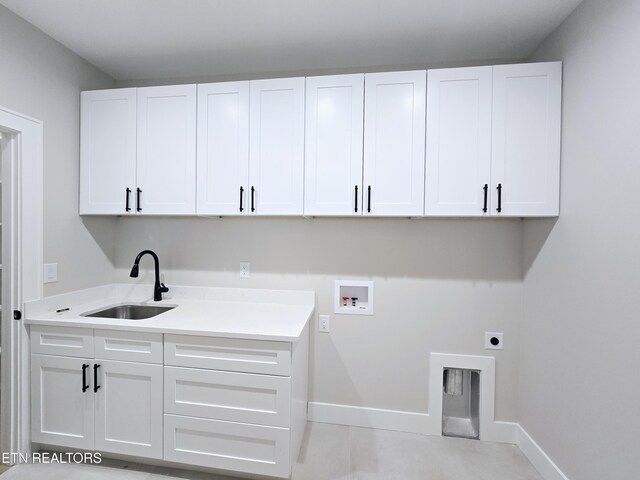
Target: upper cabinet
[276,147]
[493,141]
[251,147]
[333,145]
[458,172]
[458,142]
[138,151]
[223,148]
[525,166]
[394,143]
[108,151]
[388,109]
[166,167]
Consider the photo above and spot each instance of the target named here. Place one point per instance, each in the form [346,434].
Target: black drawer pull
[253,205]
[85,386]
[499,209]
[138,207]
[486,190]
[356,199]
[96,387]
[127,208]
[241,195]
[369,199]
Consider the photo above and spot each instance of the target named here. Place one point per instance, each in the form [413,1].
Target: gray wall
[580,388]
[439,285]
[42,79]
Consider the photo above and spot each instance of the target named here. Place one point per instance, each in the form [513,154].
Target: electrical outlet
[324,324]
[50,272]
[493,341]
[245,270]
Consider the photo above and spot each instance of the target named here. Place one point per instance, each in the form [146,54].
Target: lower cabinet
[97,405]
[233,404]
[83,397]
[227,404]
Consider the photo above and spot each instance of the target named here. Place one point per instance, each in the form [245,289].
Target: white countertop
[278,315]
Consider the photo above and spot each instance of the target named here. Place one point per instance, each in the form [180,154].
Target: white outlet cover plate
[487,341]
[50,272]
[324,324]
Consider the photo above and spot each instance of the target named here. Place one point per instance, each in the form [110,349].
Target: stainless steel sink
[129,311]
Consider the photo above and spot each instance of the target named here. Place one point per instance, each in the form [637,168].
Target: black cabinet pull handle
[499,209]
[356,199]
[96,387]
[369,199]
[253,205]
[138,207]
[127,208]
[85,387]
[241,195]
[486,190]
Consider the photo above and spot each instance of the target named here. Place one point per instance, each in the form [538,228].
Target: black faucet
[158,288]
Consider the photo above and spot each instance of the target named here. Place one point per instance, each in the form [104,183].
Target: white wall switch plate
[493,341]
[50,272]
[245,270]
[324,323]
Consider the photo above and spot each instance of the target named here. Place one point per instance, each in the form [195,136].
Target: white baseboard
[538,458]
[399,421]
[500,432]
[422,423]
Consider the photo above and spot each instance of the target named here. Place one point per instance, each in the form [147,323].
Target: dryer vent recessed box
[353,297]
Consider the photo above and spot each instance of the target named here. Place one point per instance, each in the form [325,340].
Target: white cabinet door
[223,148]
[61,412]
[128,408]
[108,151]
[394,136]
[525,166]
[166,166]
[458,164]
[276,153]
[333,145]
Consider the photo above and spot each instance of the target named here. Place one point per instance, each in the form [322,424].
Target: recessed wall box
[359,294]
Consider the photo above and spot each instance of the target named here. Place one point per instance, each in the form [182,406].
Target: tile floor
[333,452]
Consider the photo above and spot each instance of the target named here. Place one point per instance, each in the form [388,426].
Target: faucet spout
[158,288]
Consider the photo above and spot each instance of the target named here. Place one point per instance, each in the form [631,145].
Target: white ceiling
[160,39]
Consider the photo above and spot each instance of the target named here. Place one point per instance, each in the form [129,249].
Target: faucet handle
[164,288]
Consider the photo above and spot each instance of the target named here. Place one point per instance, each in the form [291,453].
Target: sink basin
[129,311]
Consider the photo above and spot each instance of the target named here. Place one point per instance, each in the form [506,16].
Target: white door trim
[27,256]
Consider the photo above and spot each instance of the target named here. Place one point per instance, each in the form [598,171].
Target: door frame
[26,231]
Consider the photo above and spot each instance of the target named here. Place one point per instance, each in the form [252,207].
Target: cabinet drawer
[236,355]
[128,346]
[238,397]
[67,341]
[239,447]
